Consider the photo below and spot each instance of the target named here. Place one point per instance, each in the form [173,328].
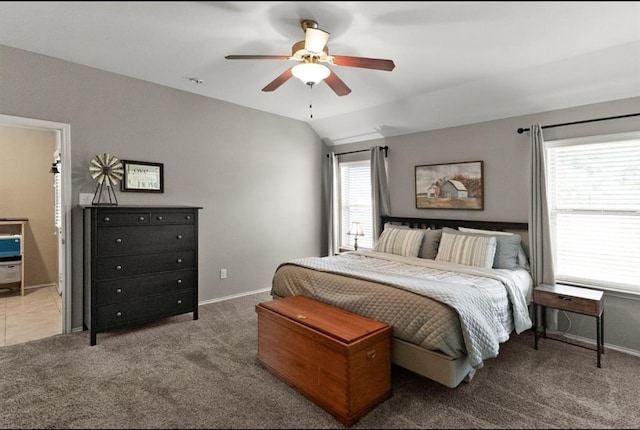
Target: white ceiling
[456,62]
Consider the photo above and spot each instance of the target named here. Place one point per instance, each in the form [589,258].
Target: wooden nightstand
[344,250]
[573,299]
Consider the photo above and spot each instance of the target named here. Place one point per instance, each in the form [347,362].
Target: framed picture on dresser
[142,176]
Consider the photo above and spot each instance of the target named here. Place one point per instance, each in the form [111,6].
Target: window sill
[609,291]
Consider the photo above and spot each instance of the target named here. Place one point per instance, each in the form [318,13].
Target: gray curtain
[379,189]
[540,247]
[540,250]
[331,203]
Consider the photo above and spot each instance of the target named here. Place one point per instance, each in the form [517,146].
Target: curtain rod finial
[520,130]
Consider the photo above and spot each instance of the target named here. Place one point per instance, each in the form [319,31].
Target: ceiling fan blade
[284,77]
[315,40]
[366,63]
[258,57]
[336,84]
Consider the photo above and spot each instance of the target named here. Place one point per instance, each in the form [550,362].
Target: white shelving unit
[18,225]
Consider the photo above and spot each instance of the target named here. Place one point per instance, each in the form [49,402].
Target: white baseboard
[234,296]
[592,342]
[31,287]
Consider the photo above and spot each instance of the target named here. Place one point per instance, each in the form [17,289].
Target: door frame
[63,131]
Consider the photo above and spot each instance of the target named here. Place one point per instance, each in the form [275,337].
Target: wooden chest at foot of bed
[336,358]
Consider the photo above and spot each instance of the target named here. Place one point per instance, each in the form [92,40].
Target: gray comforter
[441,306]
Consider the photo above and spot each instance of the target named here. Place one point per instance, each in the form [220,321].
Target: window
[355,202]
[57,188]
[594,200]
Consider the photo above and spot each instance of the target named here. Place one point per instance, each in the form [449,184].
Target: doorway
[62,159]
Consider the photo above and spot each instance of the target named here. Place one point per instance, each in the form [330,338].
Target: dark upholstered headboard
[453,223]
[521,228]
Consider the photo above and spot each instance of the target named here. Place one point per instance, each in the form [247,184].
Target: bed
[453,290]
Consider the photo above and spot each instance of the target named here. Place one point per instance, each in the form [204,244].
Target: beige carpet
[180,373]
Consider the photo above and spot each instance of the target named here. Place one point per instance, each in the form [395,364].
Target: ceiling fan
[311,53]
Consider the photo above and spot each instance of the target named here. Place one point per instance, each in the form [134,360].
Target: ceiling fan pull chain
[311,100]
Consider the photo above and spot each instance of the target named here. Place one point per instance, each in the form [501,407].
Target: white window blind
[57,187]
[594,199]
[355,202]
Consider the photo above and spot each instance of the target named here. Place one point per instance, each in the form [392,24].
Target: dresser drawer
[140,286]
[567,302]
[144,309]
[133,265]
[122,218]
[172,218]
[135,240]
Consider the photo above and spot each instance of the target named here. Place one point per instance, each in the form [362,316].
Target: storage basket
[10,271]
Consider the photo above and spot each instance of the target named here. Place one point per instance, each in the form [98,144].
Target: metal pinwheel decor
[107,170]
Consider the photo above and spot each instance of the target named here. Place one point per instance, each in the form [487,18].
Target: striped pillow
[466,249]
[400,241]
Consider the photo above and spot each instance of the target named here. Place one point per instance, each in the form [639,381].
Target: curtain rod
[386,151]
[522,130]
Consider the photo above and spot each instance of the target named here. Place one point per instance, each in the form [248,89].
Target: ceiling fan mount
[313,50]
[308,23]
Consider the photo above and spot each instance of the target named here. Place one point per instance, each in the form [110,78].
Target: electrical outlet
[223,273]
[85,199]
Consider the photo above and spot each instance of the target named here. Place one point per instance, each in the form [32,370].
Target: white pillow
[405,242]
[467,249]
[388,225]
[478,231]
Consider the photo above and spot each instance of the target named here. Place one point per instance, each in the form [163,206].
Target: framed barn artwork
[450,186]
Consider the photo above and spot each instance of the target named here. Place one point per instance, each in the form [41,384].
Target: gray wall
[256,175]
[506,158]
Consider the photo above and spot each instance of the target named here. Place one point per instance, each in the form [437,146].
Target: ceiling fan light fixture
[310,73]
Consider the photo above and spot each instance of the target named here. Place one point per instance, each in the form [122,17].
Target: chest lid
[338,323]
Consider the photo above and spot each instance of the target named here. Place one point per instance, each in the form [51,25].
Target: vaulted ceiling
[455,62]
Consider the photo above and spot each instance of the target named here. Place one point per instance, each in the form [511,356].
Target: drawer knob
[141,218]
[565,298]
[159,218]
[107,219]
[179,302]
[179,260]
[188,217]
[371,354]
[118,314]
[179,236]
[179,281]
[301,317]
[118,267]
[118,240]
[118,290]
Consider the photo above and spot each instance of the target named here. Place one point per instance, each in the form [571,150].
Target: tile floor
[35,315]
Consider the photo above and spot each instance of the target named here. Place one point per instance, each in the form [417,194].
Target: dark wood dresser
[140,265]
